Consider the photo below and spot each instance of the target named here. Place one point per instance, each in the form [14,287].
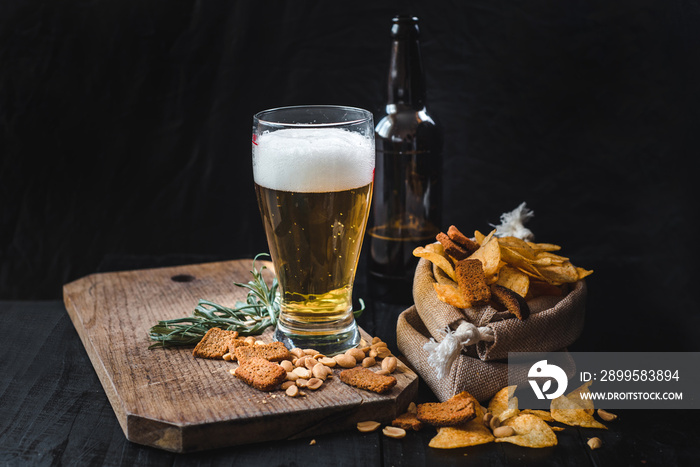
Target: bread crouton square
[458,409]
[215,343]
[261,374]
[274,352]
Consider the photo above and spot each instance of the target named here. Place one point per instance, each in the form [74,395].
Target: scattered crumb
[313,441]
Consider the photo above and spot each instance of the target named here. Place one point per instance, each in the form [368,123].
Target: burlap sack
[481,369]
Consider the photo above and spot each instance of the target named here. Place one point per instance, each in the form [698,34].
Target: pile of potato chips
[527,268]
[531,427]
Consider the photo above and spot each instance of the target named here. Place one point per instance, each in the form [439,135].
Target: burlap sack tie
[441,356]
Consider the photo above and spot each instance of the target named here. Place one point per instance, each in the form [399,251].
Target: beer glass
[313,168]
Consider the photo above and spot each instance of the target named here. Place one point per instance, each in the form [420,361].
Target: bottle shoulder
[414,129]
[401,121]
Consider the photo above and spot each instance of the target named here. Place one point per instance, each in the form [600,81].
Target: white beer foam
[313,160]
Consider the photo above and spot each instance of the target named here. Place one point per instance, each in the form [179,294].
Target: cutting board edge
[183,438]
[98,365]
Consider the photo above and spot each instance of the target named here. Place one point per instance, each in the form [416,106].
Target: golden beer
[315,240]
[313,183]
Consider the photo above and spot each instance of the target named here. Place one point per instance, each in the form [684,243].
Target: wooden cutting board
[168,399]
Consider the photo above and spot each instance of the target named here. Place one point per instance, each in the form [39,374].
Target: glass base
[328,344]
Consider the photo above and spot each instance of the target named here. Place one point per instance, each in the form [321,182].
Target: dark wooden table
[53,411]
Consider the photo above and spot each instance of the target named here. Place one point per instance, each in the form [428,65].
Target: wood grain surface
[167,399]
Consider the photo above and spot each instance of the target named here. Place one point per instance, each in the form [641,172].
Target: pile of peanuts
[309,368]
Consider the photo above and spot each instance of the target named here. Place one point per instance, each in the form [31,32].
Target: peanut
[310,363]
[356,353]
[292,391]
[503,431]
[314,383]
[250,340]
[286,385]
[311,352]
[494,423]
[383,352]
[321,372]
[375,340]
[228,357]
[369,425]
[604,414]
[301,372]
[595,443]
[382,372]
[345,360]
[389,364]
[291,376]
[487,419]
[376,345]
[297,352]
[302,382]
[287,365]
[329,362]
[368,362]
[301,361]
[394,432]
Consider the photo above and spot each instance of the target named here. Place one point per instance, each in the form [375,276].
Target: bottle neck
[406,84]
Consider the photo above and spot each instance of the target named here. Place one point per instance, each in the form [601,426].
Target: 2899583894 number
[639,375]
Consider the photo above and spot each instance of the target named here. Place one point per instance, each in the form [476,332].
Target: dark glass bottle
[406,209]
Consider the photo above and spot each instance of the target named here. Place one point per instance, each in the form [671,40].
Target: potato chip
[518,261]
[543,414]
[471,433]
[575,410]
[451,295]
[503,404]
[489,253]
[581,396]
[436,247]
[441,277]
[554,259]
[515,280]
[431,253]
[558,274]
[544,246]
[583,272]
[531,431]
[518,245]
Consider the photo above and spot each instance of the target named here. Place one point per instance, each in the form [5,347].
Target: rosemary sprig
[260,310]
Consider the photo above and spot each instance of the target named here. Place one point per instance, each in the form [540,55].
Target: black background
[125,133]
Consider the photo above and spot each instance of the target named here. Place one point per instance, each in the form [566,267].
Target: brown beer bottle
[406,210]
